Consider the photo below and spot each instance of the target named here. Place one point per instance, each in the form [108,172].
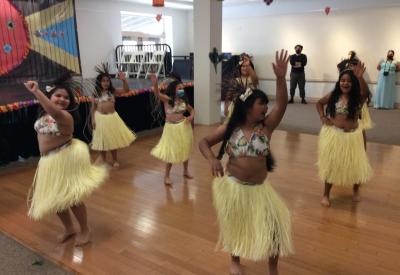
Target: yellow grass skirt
[365,122]
[111,133]
[175,145]
[342,159]
[64,178]
[254,221]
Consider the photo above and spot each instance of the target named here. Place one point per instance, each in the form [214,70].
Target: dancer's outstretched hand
[153,79]
[359,69]
[122,75]
[281,63]
[32,86]
[216,168]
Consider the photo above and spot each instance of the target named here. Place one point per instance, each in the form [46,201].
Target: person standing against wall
[385,95]
[297,75]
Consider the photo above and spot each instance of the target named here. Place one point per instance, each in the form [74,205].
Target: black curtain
[18,138]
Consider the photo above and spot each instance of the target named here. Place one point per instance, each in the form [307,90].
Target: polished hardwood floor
[139,226]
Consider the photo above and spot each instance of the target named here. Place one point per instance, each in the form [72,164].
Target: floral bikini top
[46,125]
[239,146]
[106,97]
[342,108]
[245,82]
[179,108]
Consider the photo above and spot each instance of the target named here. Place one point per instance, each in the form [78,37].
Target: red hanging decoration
[158,3]
[327,10]
[158,17]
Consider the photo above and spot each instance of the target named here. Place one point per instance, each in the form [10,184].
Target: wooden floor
[141,227]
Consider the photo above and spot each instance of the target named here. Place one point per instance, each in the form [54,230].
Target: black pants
[297,78]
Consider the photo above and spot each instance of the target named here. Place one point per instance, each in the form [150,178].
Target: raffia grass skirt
[365,122]
[342,159]
[175,145]
[111,133]
[254,221]
[64,178]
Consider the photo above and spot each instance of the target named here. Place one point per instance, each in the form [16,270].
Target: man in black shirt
[297,76]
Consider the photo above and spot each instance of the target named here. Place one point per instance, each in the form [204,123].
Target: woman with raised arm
[247,78]
[109,131]
[175,145]
[65,175]
[254,222]
[342,157]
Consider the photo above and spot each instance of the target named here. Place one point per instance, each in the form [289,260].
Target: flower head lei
[66,80]
[246,94]
[48,89]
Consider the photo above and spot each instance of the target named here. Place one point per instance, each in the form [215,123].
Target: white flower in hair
[49,88]
[245,95]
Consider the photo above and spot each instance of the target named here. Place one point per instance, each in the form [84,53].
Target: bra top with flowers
[239,146]
[107,96]
[341,108]
[179,108]
[46,125]
[245,82]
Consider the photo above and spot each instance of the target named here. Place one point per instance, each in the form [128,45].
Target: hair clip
[245,95]
[49,88]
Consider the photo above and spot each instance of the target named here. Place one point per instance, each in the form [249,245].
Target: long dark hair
[171,92]
[355,99]
[73,103]
[99,89]
[230,87]
[102,71]
[238,118]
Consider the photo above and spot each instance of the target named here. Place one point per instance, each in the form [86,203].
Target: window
[139,29]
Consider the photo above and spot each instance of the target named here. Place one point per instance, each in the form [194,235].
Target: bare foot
[325,202]
[82,238]
[168,181]
[235,268]
[187,175]
[356,196]
[68,233]
[99,160]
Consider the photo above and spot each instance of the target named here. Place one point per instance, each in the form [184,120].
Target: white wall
[326,40]
[99,30]
[190,30]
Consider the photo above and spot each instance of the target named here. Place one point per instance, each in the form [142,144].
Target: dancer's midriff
[248,169]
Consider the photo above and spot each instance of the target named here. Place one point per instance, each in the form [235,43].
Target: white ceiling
[243,8]
[258,7]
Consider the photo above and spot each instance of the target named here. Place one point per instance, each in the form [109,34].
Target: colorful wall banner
[38,39]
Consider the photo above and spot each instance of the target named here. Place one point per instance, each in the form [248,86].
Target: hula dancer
[109,131]
[65,175]
[342,159]
[254,222]
[175,145]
